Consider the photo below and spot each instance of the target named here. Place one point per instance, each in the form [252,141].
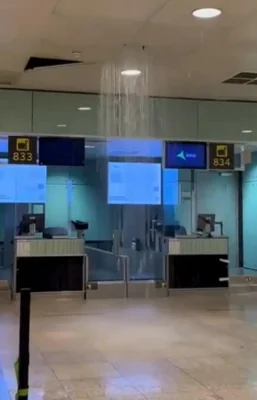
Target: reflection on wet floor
[191,346]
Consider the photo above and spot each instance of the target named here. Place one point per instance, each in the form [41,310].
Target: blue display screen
[3,145]
[134,183]
[134,148]
[61,151]
[22,184]
[170,187]
[185,155]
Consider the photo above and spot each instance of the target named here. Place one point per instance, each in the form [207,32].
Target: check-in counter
[48,265]
[197,262]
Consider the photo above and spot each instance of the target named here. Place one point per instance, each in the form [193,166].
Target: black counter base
[198,271]
[50,274]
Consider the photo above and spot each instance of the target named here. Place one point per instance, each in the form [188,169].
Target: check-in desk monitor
[38,220]
[206,223]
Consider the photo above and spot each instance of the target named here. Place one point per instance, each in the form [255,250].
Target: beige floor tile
[236,392]
[81,371]
[117,397]
[211,379]
[43,395]
[185,396]
[132,368]
[161,384]
[246,362]
[182,348]
[69,357]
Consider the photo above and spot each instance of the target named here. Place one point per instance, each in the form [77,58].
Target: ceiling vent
[243,78]
[39,62]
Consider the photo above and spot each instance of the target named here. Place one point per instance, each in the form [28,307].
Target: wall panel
[219,120]
[175,119]
[15,111]
[53,109]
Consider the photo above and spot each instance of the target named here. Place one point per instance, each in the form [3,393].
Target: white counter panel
[191,245]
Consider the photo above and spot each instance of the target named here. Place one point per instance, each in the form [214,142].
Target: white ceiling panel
[89,53]
[189,57]
[64,31]
[193,38]
[181,14]
[131,10]
[71,78]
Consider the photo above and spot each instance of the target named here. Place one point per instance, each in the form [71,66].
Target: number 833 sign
[22,150]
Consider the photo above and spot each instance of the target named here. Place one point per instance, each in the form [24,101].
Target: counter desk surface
[49,265]
[198,262]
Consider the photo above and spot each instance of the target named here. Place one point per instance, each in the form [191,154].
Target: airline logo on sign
[184,156]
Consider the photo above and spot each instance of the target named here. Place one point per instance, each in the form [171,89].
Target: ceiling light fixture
[131,72]
[89,146]
[206,13]
[61,126]
[247,131]
[84,108]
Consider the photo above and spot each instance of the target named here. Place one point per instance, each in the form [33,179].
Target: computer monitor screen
[187,155]
[23,184]
[61,151]
[38,219]
[132,148]
[204,220]
[134,183]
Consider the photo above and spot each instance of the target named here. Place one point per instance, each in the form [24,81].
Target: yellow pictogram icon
[22,144]
[221,150]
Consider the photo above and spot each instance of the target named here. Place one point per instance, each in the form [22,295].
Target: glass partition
[131,203]
[249,196]
[217,193]
[105,266]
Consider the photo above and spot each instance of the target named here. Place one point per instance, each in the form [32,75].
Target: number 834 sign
[221,156]
[22,150]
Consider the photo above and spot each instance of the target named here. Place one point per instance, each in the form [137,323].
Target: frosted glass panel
[15,111]
[56,208]
[175,119]
[250,214]
[227,121]
[216,194]
[58,113]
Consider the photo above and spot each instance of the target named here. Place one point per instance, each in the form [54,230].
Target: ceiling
[188,57]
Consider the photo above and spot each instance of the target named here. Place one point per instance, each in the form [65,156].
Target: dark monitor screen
[61,151]
[39,219]
[203,220]
[187,155]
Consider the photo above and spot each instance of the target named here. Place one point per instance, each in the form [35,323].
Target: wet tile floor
[190,346]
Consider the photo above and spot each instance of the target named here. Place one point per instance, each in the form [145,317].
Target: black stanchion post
[23,360]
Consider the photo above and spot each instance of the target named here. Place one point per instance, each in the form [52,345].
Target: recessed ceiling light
[247,131]
[89,146]
[61,126]
[84,108]
[206,13]
[131,72]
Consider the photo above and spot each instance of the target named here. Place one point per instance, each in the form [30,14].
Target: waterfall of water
[126,112]
[125,105]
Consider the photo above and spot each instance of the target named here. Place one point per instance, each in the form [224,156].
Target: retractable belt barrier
[21,366]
